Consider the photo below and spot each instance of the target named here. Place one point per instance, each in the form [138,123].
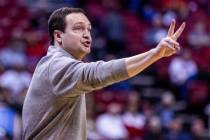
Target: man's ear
[58,36]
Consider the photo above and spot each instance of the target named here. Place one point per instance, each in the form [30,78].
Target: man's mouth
[86,44]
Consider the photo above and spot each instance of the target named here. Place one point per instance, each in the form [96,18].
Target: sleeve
[72,77]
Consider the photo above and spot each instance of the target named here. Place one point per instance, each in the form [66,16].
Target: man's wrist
[157,55]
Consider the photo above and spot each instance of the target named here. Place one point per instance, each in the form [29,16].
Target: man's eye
[78,28]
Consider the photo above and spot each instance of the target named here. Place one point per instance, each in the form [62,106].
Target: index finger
[179,31]
[171,28]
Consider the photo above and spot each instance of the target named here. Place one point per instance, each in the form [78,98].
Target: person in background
[110,124]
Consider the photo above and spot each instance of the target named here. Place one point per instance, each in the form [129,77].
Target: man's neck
[77,57]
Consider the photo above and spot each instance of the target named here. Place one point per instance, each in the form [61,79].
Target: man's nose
[87,35]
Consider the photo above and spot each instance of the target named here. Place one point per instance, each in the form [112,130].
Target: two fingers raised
[178,32]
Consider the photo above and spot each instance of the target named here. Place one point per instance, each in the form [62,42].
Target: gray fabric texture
[55,107]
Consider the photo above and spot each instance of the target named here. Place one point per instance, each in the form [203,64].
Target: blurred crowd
[168,101]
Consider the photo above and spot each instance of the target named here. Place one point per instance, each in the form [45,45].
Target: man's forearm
[138,63]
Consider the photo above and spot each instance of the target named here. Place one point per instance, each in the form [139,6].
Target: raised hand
[169,45]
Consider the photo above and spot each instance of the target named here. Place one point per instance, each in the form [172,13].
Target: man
[54,106]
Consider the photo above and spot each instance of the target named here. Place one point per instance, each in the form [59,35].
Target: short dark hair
[57,20]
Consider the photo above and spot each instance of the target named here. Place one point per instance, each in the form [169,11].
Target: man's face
[76,38]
